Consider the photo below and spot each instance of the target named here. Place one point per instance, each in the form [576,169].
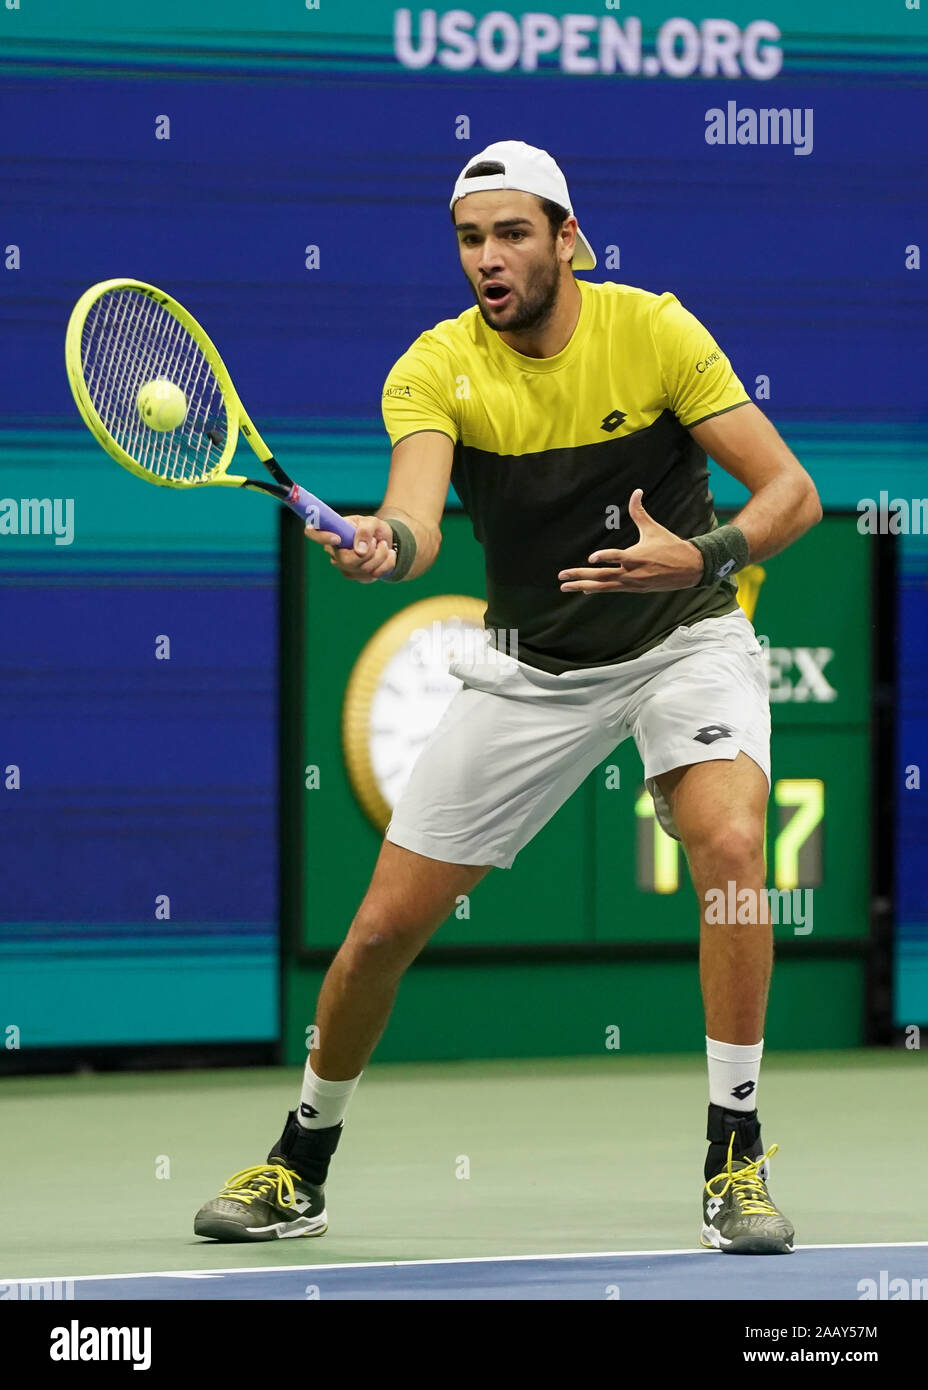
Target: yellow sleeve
[698,378]
[418,394]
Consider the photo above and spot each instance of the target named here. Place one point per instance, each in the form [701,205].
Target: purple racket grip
[316,514]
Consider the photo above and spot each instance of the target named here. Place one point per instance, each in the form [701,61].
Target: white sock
[323,1103]
[733,1074]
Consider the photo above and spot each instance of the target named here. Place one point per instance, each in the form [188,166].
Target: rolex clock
[398,691]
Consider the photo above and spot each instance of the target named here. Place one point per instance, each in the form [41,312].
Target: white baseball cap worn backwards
[526,169]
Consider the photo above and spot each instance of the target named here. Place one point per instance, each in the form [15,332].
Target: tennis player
[558,408]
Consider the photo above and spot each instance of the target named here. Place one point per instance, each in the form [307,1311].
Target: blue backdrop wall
[142,778]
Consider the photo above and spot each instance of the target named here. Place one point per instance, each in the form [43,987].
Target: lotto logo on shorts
[712,733]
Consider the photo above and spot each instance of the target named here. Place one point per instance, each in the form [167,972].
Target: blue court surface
[811,1273]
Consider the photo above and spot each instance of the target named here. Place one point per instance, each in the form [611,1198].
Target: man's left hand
[658,560]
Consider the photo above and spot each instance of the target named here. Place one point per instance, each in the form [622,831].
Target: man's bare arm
[784,503]
[417,488]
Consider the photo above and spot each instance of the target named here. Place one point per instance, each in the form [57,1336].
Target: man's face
[509,258]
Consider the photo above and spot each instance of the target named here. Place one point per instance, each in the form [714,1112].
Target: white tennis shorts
[516,742]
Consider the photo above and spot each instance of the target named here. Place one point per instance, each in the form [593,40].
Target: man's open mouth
[496,294]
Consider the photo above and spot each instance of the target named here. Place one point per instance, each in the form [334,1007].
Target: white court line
[451,1260]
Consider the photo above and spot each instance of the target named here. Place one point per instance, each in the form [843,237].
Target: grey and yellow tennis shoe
[280,1198]
[739,1217]
[267,1202]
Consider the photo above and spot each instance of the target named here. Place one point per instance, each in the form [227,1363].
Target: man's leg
[719,811]
[408,899]
[507,752]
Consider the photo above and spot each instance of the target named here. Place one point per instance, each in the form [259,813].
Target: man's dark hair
[555,214]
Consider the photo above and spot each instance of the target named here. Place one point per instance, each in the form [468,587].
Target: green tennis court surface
[103,1173]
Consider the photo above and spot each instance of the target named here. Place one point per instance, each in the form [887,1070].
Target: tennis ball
[161,404]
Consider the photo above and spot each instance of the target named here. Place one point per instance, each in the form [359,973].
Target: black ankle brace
[306,1151]
[720,1126]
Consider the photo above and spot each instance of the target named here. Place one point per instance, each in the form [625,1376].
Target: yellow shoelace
[747,1184]
[259,1181]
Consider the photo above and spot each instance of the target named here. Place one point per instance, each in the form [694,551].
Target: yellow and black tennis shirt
[548,451]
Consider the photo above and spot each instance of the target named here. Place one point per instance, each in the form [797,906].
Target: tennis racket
[139,363]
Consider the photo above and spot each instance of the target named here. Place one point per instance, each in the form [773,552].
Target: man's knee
[380,937]
[730,849]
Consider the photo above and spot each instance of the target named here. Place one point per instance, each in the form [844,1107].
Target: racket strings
[129,340]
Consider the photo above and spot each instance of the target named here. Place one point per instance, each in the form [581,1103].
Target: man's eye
[517,234]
